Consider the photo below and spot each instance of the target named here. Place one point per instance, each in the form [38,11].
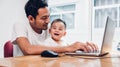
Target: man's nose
[48,20]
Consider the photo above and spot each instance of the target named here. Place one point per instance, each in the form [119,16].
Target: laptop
[107,40]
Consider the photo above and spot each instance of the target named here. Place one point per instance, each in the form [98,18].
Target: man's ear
[31,19]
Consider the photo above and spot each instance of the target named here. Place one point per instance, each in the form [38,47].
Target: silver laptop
[107,40]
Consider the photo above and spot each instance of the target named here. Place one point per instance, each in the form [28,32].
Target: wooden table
[64,61]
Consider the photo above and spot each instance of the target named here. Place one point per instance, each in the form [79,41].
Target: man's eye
[54,28]
[44,18]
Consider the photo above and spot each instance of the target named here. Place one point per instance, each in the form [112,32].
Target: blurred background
[85,18]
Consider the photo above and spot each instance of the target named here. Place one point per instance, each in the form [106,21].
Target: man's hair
[32,6]
[58,20]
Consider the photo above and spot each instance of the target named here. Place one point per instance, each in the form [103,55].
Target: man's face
[42,19]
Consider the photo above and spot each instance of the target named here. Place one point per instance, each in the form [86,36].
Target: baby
[57,31]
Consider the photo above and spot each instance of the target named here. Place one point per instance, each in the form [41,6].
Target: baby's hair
[59,20]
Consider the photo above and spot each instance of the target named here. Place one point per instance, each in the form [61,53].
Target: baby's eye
[60,29]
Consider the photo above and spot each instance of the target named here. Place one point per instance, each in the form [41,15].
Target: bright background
[84,18]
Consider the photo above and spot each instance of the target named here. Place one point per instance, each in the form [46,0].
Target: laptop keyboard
[79,52]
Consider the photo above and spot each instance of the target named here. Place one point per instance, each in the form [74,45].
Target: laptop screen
[108,35]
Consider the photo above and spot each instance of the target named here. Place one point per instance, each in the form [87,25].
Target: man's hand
[86,47]
[92,47]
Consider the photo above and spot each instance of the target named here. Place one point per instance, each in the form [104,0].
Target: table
[64,61]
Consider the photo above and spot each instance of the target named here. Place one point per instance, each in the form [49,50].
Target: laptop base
[88,54]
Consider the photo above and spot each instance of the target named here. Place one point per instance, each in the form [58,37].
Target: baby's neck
[57,41]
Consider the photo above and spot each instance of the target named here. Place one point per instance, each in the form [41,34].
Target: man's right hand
[86,47]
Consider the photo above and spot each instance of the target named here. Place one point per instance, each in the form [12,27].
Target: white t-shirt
[23,29]
[50,42]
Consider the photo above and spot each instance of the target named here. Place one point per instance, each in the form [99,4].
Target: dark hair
[59,20]
[32,6]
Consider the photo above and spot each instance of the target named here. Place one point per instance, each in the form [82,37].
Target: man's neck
[39,31]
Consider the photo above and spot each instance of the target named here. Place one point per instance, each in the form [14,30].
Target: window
[65,12]
[102,9]
[100,14]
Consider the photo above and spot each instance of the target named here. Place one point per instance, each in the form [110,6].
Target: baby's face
[57,30]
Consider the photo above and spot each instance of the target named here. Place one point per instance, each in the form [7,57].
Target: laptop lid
[108,35]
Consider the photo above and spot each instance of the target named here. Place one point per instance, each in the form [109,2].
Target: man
[29,35]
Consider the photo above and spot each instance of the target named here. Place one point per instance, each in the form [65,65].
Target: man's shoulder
[21,21]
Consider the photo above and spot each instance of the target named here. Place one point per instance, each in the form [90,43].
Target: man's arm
[29,49]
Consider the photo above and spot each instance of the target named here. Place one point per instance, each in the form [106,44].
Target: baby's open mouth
[56,34]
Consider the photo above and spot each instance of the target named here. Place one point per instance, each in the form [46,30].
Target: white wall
[82,21]
[10,11]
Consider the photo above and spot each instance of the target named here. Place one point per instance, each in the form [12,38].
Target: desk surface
[64,61]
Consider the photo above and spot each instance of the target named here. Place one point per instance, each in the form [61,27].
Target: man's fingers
[88,48]
[85,48]
[92,46]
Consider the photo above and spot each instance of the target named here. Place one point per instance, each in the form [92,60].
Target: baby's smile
[56,34]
